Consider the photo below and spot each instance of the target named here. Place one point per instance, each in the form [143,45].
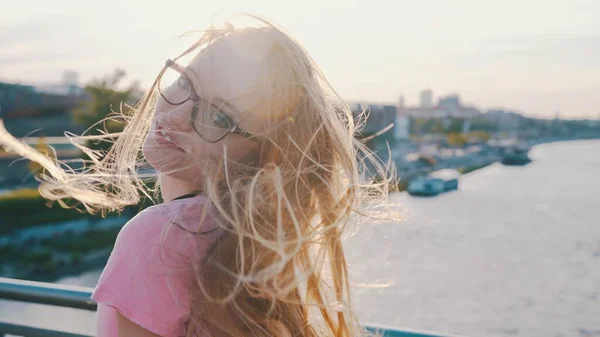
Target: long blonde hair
[278,268]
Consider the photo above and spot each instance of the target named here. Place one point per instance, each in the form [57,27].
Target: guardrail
[79,298]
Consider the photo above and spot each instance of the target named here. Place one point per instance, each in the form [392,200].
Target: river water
[514,252]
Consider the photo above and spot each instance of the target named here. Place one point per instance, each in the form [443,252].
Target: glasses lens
[211,122]
[174,87]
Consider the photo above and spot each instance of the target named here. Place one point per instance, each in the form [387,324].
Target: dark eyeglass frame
[193,95]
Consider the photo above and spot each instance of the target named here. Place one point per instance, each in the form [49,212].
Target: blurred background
[494,108]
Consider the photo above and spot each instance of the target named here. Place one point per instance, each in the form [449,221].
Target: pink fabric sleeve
[148,275]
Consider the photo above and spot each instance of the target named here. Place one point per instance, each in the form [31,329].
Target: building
[402,122]
[400,102]
[425,113]
[71,83]
[70,78]
[448,107]
[426,99]
[455,109]
[450,102]
[378,117]
[18,101]
[505,120]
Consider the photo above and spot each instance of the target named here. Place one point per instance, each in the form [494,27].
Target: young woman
[257,167]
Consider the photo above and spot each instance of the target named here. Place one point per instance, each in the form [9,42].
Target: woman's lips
[162,136]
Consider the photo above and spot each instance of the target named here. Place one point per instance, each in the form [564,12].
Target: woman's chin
[172,163]
[175,168]
[161,161]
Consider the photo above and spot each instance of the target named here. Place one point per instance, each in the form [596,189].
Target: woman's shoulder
[172,227]
[147,277]
[193,215]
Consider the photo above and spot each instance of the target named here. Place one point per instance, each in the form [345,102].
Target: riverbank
[417,160]
[463,170]
[44,243]
[49,252]
[94,261]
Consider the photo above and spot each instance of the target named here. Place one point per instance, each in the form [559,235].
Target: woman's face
[226,74]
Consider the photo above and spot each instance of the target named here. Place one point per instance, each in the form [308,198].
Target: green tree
[456,139]
[480,136]
[455,125]
[106,97]
[76,258]
[437,126]
[44,149]
[482,124]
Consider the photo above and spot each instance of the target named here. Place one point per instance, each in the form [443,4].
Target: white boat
[516,155]
[425,186]
[435,183]
[449,177]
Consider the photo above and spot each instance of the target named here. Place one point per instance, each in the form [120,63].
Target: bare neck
[172,188]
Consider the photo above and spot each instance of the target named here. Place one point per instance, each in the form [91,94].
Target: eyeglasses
[208,119]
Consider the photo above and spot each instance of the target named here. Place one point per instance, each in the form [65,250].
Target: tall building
[450,102]
[402,122]
[401,102]
[466,126]
[426,98]
[71,82]
[70,78]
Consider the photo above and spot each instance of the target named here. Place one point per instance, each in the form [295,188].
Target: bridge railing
[79,298]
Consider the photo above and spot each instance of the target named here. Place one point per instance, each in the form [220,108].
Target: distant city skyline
[532,56]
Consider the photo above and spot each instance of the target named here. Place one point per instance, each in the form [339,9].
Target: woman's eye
[220,120]
[182,82]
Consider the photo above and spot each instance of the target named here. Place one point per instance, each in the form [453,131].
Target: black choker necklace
[185,196]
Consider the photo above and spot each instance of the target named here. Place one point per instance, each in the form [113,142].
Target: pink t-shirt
[147,277]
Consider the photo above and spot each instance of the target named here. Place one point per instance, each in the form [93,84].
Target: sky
[539,57]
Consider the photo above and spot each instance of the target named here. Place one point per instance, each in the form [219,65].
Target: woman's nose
[180,117]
